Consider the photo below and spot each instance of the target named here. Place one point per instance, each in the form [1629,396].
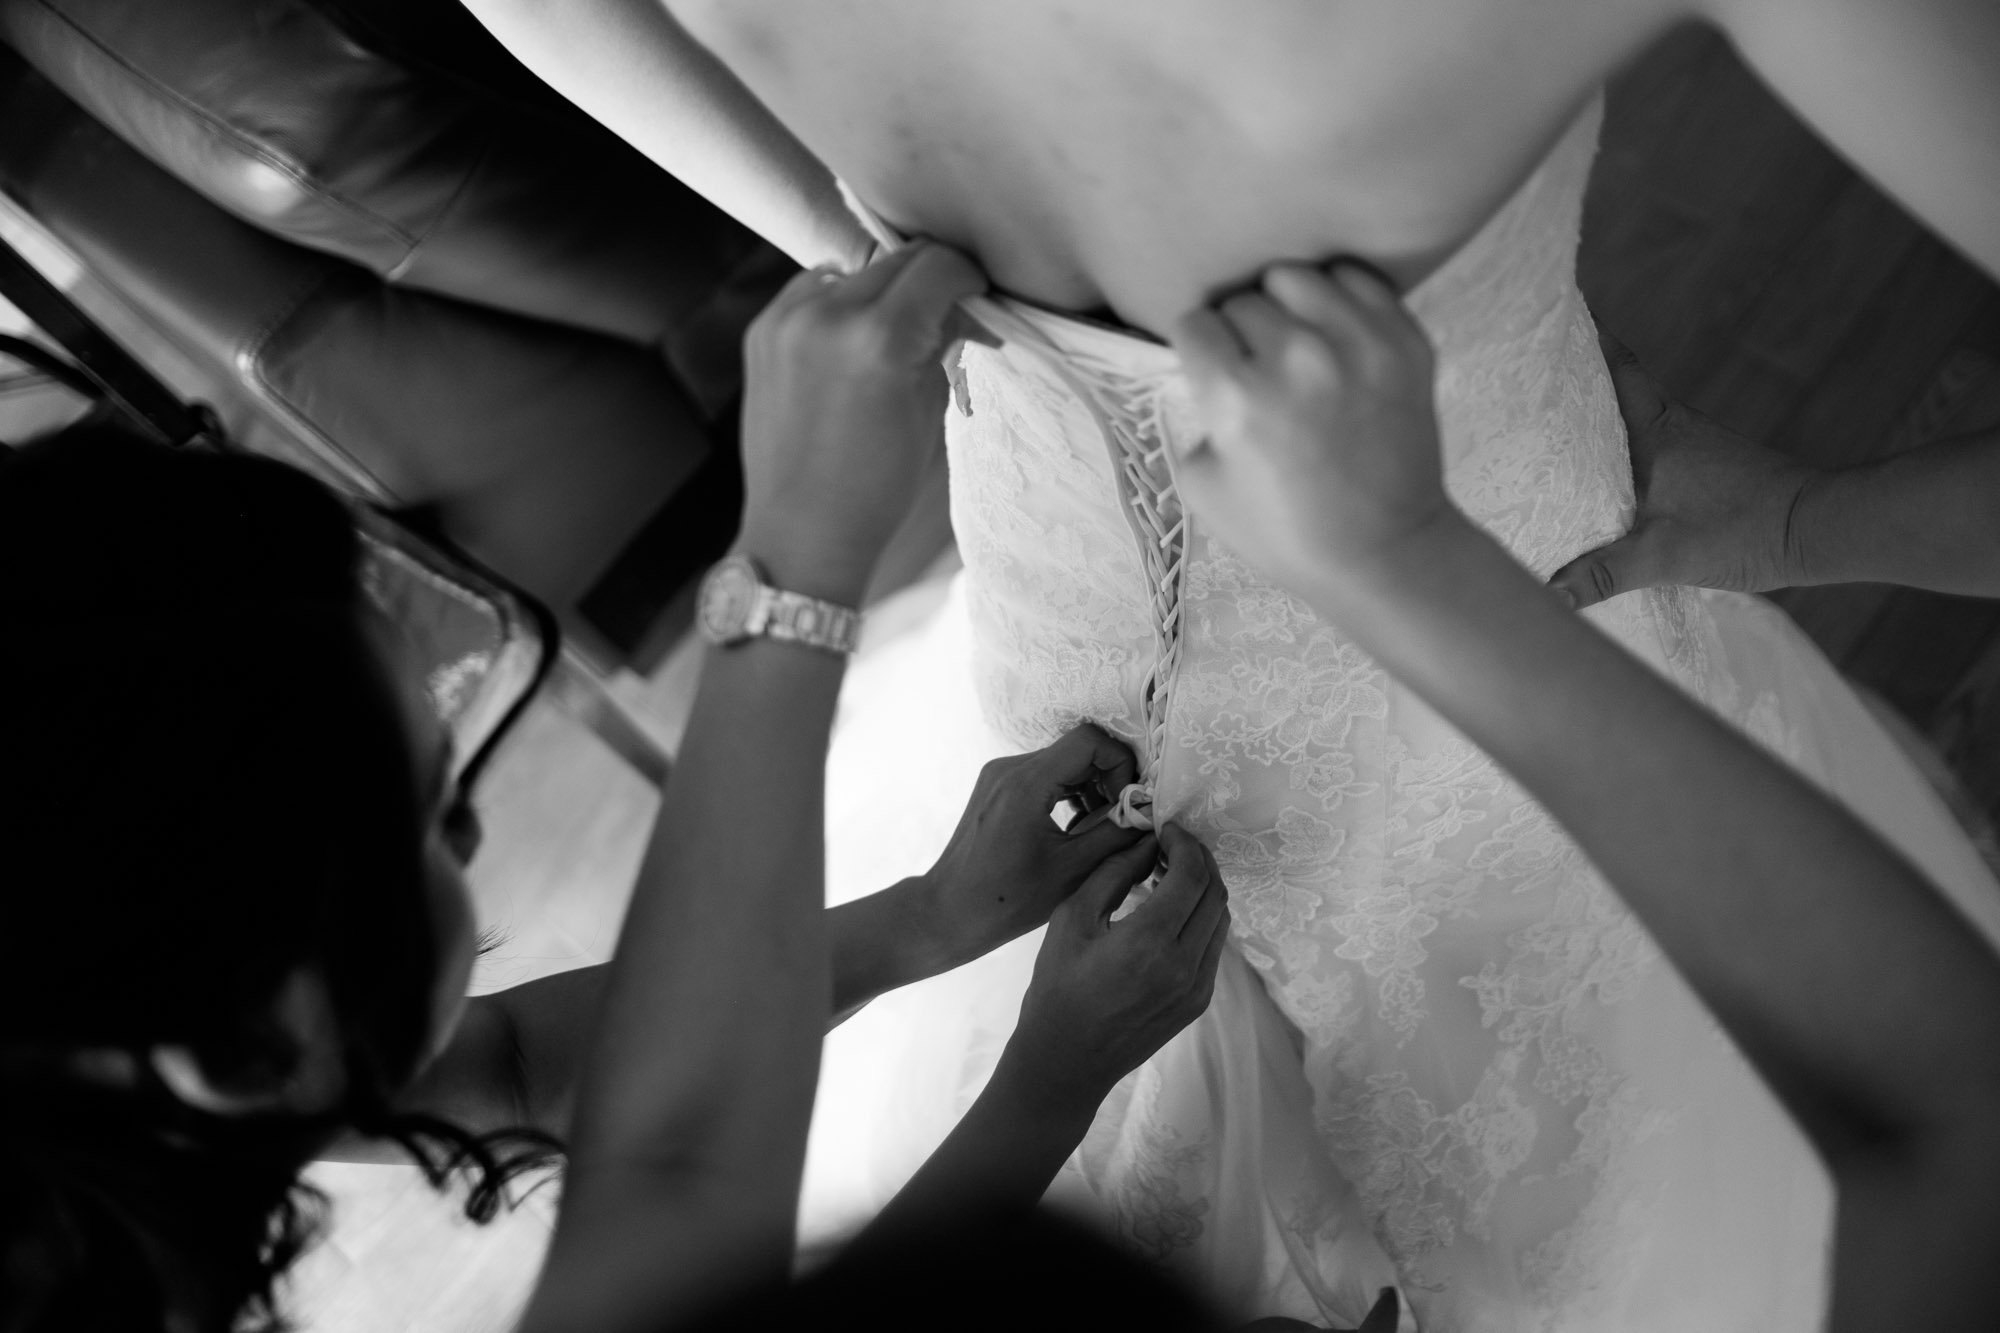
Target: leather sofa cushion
[276,111]
[538,448]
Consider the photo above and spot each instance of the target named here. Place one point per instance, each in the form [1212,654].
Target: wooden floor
[1770,286]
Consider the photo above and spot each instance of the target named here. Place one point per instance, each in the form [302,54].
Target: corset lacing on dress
[1130,418]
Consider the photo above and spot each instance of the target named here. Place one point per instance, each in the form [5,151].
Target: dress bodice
[1438,1018]
[1093,599]
[1457,974]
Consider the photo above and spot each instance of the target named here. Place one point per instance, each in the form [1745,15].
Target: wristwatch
[738,603]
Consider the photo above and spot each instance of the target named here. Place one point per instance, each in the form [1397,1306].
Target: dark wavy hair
[205,785]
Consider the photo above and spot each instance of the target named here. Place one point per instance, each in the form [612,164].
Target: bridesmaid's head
[236,925]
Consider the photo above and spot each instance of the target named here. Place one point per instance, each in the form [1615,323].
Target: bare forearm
[1770,899]
[744,811]
[629,64]
[697,1089]
[1929,518]
[887,940]
[1001,1155]
[517,1056]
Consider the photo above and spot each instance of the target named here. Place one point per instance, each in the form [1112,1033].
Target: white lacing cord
[1152,509]
[1134,809]
[1144,476]
[1150,501]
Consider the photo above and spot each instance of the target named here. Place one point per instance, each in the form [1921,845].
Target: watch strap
[797,618]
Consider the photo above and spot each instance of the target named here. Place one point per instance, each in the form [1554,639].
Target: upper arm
[631,65]
[1909,90]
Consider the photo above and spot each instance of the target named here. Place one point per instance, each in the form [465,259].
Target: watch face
[728,596]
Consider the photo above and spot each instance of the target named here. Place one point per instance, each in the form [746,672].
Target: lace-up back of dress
[1503,1085]
[1442,949]
[1098,406]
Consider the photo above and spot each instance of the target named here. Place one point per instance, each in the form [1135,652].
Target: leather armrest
[275,111]
[541,449]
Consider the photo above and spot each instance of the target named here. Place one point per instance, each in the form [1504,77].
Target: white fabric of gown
[1442,1054]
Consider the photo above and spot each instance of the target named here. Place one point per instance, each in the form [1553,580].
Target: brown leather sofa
[424,275]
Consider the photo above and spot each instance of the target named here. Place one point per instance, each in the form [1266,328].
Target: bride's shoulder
[1410,50]
[1388,86]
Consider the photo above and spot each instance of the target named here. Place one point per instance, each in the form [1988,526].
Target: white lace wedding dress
[1442,1054]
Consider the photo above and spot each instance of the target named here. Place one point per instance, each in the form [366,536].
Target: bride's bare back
[1135,153]
[1138,154]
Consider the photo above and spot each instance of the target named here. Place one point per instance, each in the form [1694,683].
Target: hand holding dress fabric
[1321,453]
[841,415]
[1107,994]
[1768,897]
[1716,510]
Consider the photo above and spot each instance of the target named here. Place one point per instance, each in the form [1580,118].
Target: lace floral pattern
[1442,1055]
[1154,1178]
[1500,1076]
[1442,949]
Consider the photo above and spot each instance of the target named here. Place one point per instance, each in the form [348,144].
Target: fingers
[922,296]
[803,287]
[1623,566]
[1210,910]
[914,291]
[1640,401]
[1207,931]
[1261,324]
[936,278]
[1205,339]
[1211,953]
[870,281]
[1095,836]
[1210,352]
[836,290]
[1115,878]
[1214,359]
[1350,303]
[1325,300]
[1350,306]
[1179,891]
[1367,284]
[1085,754]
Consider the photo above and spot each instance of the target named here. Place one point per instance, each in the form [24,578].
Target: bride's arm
[630,65]
[1908,89]
[1864,998]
